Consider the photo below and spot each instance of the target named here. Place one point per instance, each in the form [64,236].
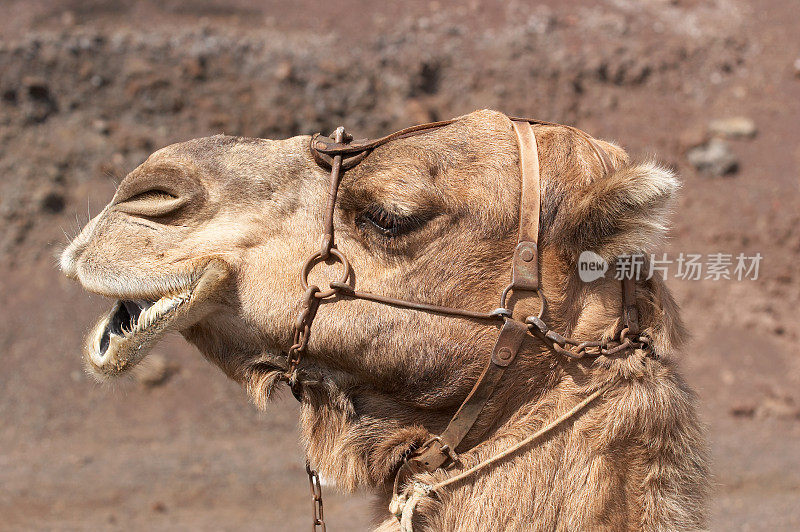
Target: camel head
[208,237]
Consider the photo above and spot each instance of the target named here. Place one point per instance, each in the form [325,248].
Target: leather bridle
[340,153]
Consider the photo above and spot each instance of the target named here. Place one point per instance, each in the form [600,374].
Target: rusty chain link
[578,349]
[308,310]
[301,332]
[318,517]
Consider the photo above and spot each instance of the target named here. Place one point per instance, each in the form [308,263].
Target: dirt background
[89,88]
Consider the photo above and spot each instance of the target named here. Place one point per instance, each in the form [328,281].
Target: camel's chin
[123,337]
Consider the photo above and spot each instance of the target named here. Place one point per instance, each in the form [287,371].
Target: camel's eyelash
[387,224]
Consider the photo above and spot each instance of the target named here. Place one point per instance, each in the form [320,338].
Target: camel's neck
[587,469]
[634,455]
[512,460]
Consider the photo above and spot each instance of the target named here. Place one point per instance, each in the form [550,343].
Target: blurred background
[89,88]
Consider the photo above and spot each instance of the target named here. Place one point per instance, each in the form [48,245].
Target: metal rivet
[321,145]
[504,353]
[526,254]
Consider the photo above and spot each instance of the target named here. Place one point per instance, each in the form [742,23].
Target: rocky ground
[88,89]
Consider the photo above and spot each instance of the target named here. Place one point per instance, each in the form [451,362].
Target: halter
[340,153]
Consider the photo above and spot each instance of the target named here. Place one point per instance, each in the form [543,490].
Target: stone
[52,202]
[417,112]
[778,406]
[101,126]
[743,410]
[736,127]
[195,67]
[39,102]
[691,137]
[153,371]
[714,158]
[68,19]
[284,71]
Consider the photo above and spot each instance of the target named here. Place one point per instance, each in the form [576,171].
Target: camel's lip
[124,336]
[138,320]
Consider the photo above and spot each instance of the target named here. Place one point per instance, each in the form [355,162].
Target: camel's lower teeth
[132,316]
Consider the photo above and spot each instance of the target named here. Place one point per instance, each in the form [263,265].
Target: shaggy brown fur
[379,379]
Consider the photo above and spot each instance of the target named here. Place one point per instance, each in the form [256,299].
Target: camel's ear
[623,213]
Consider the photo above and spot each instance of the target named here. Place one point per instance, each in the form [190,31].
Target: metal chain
[300,335]
[318,519]
[563,345]
[578,349]
[301,332]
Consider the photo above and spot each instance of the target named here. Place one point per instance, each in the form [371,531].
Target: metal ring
[501,313]
[315,259]
[539,293]
[504,295]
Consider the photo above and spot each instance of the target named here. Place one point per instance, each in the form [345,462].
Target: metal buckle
[443,448]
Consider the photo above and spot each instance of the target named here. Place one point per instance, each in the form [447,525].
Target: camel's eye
[387,224]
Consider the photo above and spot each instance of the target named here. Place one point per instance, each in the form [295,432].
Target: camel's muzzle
[124,336]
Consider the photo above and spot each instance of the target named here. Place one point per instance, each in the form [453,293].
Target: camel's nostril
[153,203]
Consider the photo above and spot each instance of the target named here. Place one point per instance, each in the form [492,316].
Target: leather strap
[601,154]
[525,265]
[441,450]
[629,312]
[339,153]
[330,146]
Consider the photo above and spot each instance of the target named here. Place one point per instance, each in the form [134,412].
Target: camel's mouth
[124,336]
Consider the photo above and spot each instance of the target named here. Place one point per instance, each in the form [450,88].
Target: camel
[207,237]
